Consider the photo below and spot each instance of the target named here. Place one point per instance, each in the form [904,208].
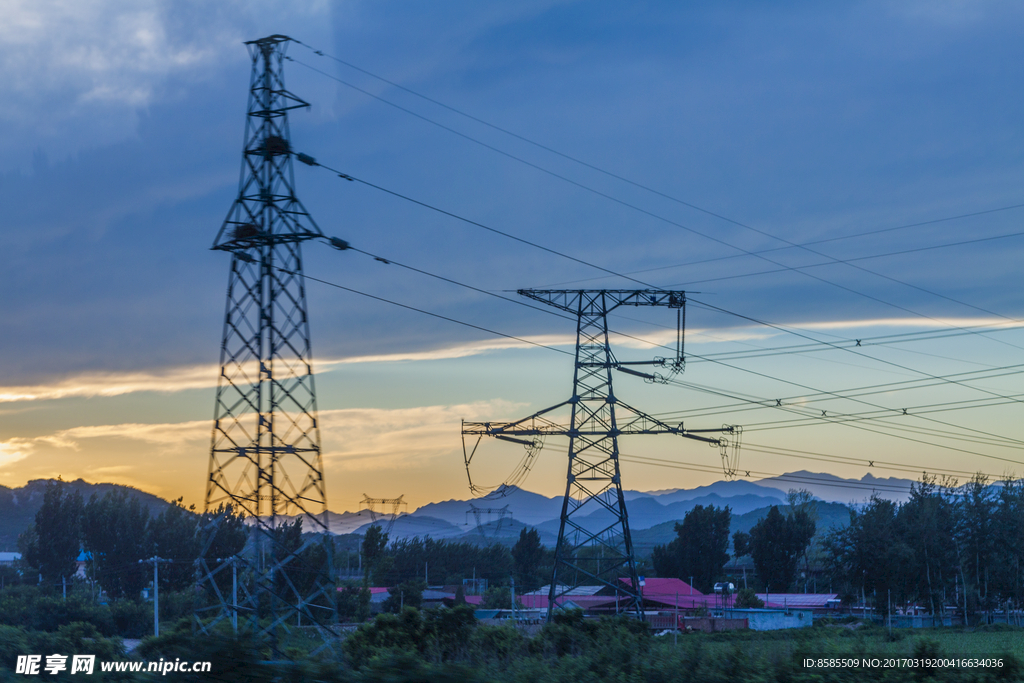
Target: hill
[18,506]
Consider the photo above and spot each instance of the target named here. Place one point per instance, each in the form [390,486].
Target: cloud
[170,458]
[370,439]
[14,450]
[114,384]
[205,376]
[76,73]
[170,436]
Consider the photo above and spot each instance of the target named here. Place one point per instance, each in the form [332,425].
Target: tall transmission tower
[265,458]
[602,552]
[382,513]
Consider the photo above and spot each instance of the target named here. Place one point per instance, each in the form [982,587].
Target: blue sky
[120,155]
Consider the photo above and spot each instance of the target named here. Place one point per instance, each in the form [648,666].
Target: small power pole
[155,561]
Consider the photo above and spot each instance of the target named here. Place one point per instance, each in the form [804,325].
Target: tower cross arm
[569,300]
[633,421]
[531,425]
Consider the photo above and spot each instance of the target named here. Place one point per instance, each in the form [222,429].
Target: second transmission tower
[589,552]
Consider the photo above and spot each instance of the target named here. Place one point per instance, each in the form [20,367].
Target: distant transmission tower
[585,554]
[382,513]
[479,513]
[265,459]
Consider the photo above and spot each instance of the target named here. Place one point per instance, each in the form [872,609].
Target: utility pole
[234,595]
[597,418]
[265,457]
[156,591]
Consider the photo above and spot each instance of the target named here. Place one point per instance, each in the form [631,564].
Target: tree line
[116,532]
[776,544]
[948,545]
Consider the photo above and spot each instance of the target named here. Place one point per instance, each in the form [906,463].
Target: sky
[679,145]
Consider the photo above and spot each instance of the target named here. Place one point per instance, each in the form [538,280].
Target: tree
[445,562]
[925,524]
[746,598]
[500,597]
[1009,523]
[976,545]
[405,594]
[114,531]
[374,545]
[52,544]
[776,545]
[223,533]
[699,549]
[740,544]
[870,555]
[173,537]
[353,603]
[527,557]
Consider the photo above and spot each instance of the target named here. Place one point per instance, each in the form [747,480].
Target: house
[819,603]
[772,619]
[81,563]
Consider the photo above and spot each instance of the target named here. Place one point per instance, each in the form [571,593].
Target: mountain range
[652,514]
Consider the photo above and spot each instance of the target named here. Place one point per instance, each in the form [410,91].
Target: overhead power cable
[434,315]
[825,418]
[880,340]
[813,420]
[676,382]
[661,218]
[849,350]
[749,474]
[624,179]
[457,217]
[866,390]
[310,161]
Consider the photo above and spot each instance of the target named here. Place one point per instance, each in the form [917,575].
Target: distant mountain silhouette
[18,506]
[838,490]
[652,514]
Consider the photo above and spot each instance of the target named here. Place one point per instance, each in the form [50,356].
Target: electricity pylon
[390,517]
[265,458]
[600,552]
[478,514]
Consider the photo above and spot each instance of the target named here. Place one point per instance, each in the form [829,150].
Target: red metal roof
[583,601]
[797,600]
[657,588]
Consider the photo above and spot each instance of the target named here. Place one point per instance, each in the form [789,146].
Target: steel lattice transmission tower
[586,554]
[265,458]
[376,515]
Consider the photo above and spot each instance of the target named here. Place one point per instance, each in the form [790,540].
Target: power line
[621,178]
[824,418]
[848,350]
[310,161]
[342,175]
[435,315]
[870,389]
[425,205]
[845,417]
[656,216]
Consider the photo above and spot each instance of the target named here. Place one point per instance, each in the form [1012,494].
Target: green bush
[132,619]
[28,607]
